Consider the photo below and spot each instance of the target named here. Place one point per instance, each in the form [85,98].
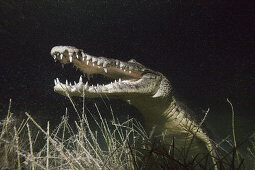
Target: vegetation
[114,145]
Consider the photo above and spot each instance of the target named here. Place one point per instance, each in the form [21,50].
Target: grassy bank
[112,145]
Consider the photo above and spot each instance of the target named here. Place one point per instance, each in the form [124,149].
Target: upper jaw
[96,65]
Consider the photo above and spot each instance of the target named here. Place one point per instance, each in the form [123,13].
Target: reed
[113,145]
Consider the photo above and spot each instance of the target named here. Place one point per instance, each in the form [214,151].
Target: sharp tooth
[75,83]
[54,56]
[58,80]
[77,56]
[70,58]
[119,80]
[66,83]
[105,64]
[88,57]
[83,56]
[70,84]
[94,59]
[86,85]
[80,80]
[121,64]
[87,62]
[97,85]
[61,56]
[117,62]
[99,62]
[115,81]
[55,82]
[105,70]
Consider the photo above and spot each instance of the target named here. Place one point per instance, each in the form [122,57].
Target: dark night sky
[205,48]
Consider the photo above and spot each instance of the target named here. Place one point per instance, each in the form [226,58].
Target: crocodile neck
[168,118]
[155,113]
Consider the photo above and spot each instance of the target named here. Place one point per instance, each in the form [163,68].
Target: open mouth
[124,74]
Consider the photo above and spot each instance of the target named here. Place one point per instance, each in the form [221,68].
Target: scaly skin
[149,91]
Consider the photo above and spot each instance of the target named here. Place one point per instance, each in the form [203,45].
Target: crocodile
[147,90]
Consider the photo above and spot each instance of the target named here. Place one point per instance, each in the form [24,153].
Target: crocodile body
[149,91]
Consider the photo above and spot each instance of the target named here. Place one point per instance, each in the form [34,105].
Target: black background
[205,48]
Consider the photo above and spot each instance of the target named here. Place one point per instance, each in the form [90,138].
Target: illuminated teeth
[87,62]
[117,62]
[66,83]
[61,56]
[105,64]
[99,62]
[119,80]
[94,59]
[80,80]
[70,58]
[75,83]
[77,56]
[86,85]
[55,82]
[55,56]
[105,70]
[83,56]
[88,57]
[121,64]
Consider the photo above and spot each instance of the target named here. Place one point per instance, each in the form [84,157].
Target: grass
[114,145]
[67,148]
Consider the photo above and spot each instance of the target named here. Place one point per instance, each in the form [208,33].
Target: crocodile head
[147,90]
[131,80]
